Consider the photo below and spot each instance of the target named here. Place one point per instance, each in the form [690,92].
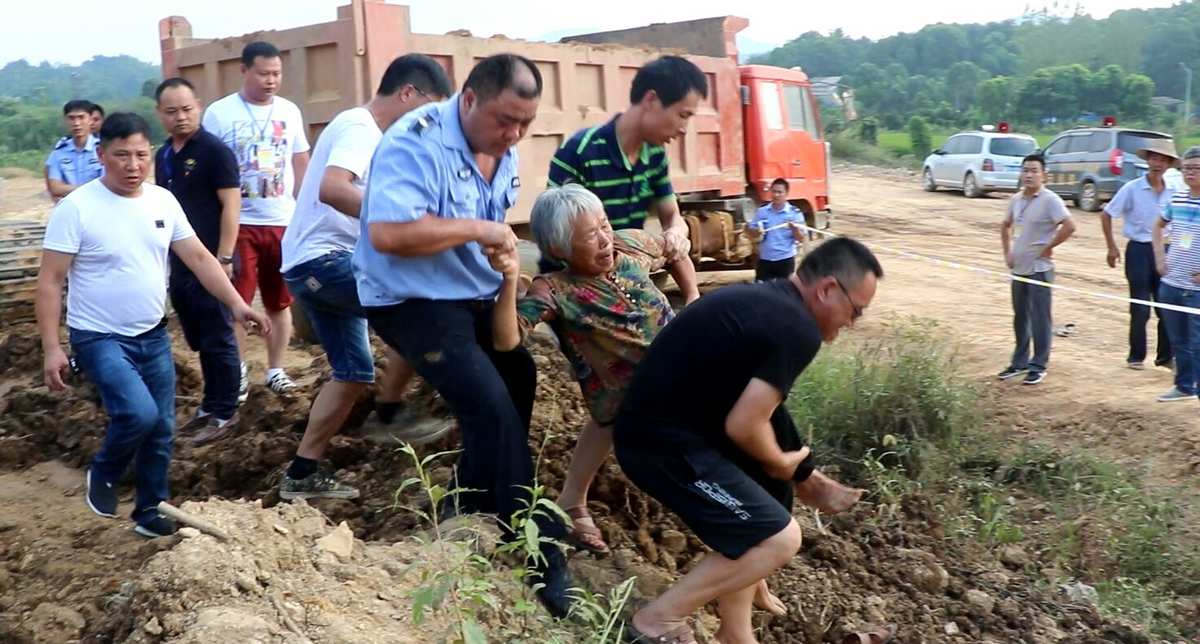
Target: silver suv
[978,162]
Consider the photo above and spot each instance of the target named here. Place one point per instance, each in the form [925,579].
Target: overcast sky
[71,31]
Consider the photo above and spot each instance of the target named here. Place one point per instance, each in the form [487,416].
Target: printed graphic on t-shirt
[261,150]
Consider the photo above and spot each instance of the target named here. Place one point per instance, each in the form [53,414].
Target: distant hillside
[1039,68]
[101,79]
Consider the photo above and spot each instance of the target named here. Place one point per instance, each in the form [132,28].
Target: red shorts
[258,255]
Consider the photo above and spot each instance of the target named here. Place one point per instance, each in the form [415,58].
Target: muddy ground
[65,574]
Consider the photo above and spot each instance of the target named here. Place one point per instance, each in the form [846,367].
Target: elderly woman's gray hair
[552,219]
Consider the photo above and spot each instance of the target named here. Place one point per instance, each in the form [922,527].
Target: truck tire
[1088,198]
[971,187]
[927,181]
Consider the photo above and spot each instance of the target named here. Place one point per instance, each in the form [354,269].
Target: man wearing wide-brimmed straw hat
[1140,202]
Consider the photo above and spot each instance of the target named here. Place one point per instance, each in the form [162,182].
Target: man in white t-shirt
[317,267]
[266,134]
[110,238]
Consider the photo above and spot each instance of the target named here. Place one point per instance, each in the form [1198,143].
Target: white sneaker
[281,384]
[1175,395]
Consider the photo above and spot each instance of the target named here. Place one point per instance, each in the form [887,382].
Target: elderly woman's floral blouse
[604,324]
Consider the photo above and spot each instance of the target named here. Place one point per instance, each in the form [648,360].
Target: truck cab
[783,138]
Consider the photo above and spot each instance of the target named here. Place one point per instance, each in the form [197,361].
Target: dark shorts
[769,270]
[728,508]
[259,254]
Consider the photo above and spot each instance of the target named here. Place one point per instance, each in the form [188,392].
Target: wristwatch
[225,259]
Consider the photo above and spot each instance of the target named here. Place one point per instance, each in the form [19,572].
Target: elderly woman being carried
[605,310]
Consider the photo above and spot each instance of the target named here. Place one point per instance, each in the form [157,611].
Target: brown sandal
[588,537]
[679,635]
[881,635]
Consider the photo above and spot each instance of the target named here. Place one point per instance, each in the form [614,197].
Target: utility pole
[1187,99]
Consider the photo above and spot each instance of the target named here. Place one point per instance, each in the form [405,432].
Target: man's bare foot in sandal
[825,494]
[584,531]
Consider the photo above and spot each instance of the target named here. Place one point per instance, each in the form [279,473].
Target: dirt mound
[286,575]
[854,571]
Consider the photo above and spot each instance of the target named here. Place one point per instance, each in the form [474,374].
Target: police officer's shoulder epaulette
[421,125]
[62,142]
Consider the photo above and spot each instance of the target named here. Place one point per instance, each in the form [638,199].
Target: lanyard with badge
[265,153]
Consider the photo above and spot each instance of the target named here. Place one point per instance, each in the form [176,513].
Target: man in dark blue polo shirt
[203,175]
[624,162]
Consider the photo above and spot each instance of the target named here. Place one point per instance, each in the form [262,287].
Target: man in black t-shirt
[202,173]
[703,430]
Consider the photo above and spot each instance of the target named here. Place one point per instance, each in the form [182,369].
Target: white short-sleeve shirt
[263,138]
[318,228]
[118,279]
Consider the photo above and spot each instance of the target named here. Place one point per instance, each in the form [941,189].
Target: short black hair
[781,182]
[96,108]
[122,125]
[671,78]
[169,83]
[77,105]
[494,74]
[418,70]
[258,49]
[1036,156]
[842,257]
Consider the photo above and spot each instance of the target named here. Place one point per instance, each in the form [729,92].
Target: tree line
[1038,68]
[32,96]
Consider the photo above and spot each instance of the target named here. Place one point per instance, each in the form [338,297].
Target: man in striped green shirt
[624,162]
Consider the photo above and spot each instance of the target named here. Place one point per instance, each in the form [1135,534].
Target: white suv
[978,162]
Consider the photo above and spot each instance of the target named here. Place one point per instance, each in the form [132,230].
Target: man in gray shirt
[1043,223]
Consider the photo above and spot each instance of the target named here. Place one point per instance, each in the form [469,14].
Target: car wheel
[970,188]
[927,181]
[1089,197]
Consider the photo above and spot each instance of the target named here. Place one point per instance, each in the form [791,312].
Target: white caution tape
[1008,276]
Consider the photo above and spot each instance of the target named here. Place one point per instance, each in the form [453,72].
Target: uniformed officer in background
[441,182]
[73,161]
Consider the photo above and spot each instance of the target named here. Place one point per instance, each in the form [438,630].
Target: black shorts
[766,270]
[729,508]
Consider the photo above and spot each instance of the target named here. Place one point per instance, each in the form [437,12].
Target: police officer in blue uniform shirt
[441,182]
[73,161]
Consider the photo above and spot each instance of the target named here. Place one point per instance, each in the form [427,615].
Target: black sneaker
[159,526]
[318,485]
[1034,377]
[553,582]
[101,497]
[1010,372]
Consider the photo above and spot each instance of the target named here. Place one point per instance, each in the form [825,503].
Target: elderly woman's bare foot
[825,494]
[766,600]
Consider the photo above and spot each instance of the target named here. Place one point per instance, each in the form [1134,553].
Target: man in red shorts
[266,133]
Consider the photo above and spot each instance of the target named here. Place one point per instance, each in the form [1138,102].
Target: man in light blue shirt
[441,182]
[73,161]
[776,227]
[1141,203]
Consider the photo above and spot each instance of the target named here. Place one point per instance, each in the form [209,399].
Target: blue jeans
[208,328]
[1184,330]
[326,288]
[136,380]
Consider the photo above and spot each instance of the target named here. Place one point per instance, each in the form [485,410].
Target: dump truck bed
[333,66]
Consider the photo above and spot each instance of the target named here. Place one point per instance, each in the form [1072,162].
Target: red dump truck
[757,124]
